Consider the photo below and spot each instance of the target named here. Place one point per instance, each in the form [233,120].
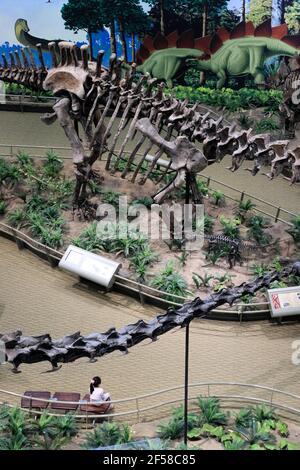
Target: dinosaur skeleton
[233,247]
[94,97]
[21,349]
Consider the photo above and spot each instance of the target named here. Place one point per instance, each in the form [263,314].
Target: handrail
[24,98]
[137,399]
[139,288]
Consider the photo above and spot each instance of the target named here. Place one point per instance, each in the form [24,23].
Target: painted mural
[28,22]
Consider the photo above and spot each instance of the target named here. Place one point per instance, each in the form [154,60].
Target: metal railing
[129,285]
[146,407]
[243,194]
[25,99]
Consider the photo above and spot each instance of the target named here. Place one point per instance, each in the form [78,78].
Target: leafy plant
[2,207]
[66,426]
[218,198]
[182,258]
[243,208]
[16,422]
[108,434]
[237,444]
[284,444]
[14,442]
[259,269]
[295,230]
[229,99]
[254,434]
[211,412]
[17,218]
[202,281]
[94,187]
[245,121]
[262,413]
[256,231]
[174,428]
[208,223]
[230,227]
[170,281]
[207,430]
[266,125]
[141,261]
[224,281]
[202,188]
[244,417]
[44,426]
[145,201]
[111,197]
[25,164]
[282,428]
[53,165]
[214,256]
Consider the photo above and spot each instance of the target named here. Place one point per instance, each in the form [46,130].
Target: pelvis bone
[185,157]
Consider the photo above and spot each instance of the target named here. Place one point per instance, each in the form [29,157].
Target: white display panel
[90,266]
[284,302]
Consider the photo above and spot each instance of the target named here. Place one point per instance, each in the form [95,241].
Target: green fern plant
[294,231]
[218,198]
[52,165]
[202,281]
[211,412]
[231,227]
[243,208]
[108,434]
[170,281]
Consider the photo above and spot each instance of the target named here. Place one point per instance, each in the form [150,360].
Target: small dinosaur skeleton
[94,97]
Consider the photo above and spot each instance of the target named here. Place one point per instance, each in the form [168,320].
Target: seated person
[97,394]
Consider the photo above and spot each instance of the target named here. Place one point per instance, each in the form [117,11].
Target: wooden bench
[95,409]
[33,402]
[65,397]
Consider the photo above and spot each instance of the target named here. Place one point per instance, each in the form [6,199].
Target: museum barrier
[158,404]
[146,294]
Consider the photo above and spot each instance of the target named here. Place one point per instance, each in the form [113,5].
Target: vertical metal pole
[186,381]
[187,338]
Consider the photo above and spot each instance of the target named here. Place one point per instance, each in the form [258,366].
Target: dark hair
[96,381]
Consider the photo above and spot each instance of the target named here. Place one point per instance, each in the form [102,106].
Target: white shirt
[99,395]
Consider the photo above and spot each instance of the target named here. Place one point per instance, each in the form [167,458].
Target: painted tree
[124,13]
[260,11]
[292,17]
[85,15]
[282,6]
[229,18]
[202,16]
[137,26]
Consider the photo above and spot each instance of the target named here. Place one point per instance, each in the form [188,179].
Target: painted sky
[43,18]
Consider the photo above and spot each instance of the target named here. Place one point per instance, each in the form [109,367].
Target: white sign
[284,302]
[90,266]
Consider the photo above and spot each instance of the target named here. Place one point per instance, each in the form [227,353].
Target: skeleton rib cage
[119,110]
